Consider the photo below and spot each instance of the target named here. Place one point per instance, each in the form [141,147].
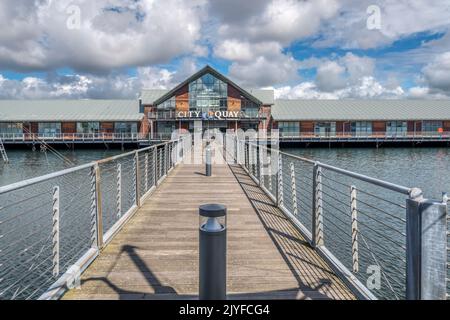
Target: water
[25,164]
[426,168]
[381,213]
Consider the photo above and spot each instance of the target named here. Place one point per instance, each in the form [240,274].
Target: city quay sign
[210,115]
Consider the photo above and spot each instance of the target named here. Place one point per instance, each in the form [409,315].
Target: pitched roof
[218,75]
[69,110]
[149,96]
[267,97]
[361,110]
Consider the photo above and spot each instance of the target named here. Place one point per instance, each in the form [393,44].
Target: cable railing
[52,227]
[72,137]
[384,240]
[313,136]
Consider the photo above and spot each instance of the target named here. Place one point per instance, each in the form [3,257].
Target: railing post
[98,207]
[294,190]
[55,232]
[270,171]
[166,169]
[355,250]
[137,177]
[146,171]
[426,248]
[155,166]
[119,191]
[317,218]
[280,192]
[261,166]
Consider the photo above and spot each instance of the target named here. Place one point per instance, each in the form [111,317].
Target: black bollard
[213,252]
[208,160]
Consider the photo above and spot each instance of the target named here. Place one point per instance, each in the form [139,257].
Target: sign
[210,115]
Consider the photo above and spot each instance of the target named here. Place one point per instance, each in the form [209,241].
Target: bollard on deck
[208,160]
[213,252]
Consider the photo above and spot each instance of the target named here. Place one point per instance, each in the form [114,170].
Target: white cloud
[368,88]
[264,71]
[113,33]
[399,18]
[113,86]
[437,72]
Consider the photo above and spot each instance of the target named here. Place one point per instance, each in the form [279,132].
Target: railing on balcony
[363,135]
[26,137]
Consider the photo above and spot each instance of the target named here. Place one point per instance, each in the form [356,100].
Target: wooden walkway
[155,256]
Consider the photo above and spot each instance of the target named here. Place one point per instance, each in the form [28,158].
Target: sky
[303,49]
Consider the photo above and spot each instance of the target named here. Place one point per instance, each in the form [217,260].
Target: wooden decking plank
[155,255]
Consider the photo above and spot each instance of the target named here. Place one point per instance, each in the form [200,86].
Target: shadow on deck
[155,256]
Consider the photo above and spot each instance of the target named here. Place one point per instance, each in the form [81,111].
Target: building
[218,102]
[210,97]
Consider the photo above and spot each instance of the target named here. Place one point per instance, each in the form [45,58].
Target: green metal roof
[69,110]
[267,97]
[370,110]
[149,96]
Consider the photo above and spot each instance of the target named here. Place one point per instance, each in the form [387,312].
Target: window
[49,129]
[325,128]
[10,128]
[396,127]
[208,93]
[431,126]
[169,104]
[361,128]
[289,128]
[125,127]
[88,127]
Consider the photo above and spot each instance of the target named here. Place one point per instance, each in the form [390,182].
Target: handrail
[81,207]
[348,241]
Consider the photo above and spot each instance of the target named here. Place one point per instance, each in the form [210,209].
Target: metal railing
[72,137]
[384,240]
[52,227]
[364,135]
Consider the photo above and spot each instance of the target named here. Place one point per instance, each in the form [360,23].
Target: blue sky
[321,49]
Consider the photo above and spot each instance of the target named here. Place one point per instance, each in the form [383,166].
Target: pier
[126,227]
[155,256]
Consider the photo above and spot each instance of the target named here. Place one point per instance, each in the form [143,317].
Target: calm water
[25,164]
[426,168]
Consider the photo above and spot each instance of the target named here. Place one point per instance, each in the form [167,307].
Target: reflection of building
[209,98]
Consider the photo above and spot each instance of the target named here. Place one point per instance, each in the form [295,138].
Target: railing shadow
[315,278]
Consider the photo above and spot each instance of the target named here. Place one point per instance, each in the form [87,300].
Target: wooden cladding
[307,126]
[182,99]
[446,126]
[234,104]
[379,126]
[107,127]
[68,127]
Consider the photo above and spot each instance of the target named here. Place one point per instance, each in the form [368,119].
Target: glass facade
[361,128]
[208,93]
[10,128]
[125,127]
[289,128]
[88,127]
[431,126]
[325,128]
[49,129]
[396,127]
